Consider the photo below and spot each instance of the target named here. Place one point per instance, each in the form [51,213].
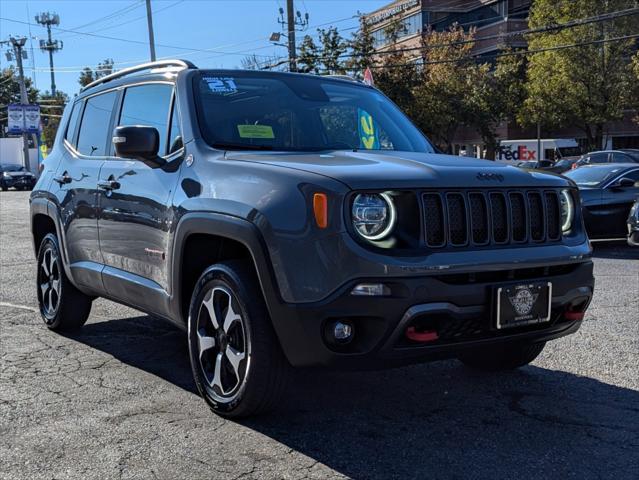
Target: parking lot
[116,400]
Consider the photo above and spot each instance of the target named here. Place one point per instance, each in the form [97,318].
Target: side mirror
[623,183]
[138,143]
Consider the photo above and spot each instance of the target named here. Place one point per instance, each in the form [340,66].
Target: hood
[391,169]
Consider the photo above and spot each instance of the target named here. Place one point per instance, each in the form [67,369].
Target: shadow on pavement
[616,249]
[438,420]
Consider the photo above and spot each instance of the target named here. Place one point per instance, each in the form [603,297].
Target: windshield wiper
[239,146]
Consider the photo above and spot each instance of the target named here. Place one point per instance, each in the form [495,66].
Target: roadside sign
[15,118]
[23,118]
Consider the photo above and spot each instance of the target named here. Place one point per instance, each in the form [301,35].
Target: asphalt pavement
[116,400]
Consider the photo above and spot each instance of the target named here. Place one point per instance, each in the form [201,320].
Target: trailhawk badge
[523,301]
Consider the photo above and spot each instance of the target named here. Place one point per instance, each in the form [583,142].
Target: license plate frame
[523,304]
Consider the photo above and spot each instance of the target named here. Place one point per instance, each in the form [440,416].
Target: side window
[94,129]
[634,175]
[73,123]
[148,105]
[598,158]
[175,133]
[620,158]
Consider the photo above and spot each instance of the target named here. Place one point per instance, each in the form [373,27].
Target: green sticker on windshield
[255,131]
[367,131]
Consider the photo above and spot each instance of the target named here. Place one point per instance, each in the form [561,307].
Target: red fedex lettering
[525,154]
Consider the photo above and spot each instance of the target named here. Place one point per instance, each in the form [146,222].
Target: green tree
[89,75]
[585,86]
[10,93]
[51,111]
[308,56]
[395,74]
[362,50]
[333,49]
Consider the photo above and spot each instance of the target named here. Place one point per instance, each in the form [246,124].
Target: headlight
[6,174]
[374,215]
[567,210]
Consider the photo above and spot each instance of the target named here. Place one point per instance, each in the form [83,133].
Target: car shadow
[615,250]
[438,420]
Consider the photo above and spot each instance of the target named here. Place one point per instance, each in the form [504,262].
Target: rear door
[617,203]
[75,184]
[136,216]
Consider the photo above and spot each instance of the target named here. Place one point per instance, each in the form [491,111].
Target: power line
[514,53]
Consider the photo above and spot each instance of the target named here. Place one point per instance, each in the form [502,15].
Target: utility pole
[47,19]
[293,20]
[18,44]
[292,51]
[149,21]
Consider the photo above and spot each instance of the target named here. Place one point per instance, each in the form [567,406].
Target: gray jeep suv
[296,220]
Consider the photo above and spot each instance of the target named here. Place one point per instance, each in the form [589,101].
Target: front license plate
[523,304]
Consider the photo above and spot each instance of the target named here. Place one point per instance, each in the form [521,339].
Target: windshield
[268,111]
[593,176]
[569,151]
[12,168]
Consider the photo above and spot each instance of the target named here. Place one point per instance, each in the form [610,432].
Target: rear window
[73,123]
[94,129]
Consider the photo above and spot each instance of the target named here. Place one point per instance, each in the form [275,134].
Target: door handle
[109,185]
[63,179]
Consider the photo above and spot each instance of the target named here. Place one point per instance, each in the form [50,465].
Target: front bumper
[18,182]
[459,304]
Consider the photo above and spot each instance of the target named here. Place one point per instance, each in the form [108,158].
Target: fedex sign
[521,153]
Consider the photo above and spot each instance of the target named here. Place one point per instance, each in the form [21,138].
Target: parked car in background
[563,165]
[633,225]
[16,176]
[607,195]
[609,156]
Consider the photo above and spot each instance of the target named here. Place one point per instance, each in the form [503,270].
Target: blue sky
[211,33]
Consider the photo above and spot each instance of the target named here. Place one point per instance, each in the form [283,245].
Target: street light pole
[17,44]
[149,20]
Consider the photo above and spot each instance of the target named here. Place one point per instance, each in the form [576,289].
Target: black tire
[62,306]
[254,382]
[4,188]
[507,357]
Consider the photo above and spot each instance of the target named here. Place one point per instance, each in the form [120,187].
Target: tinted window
[633,176]
[621,158]
[94,129]
[175,134]
[598,158]
[148,105]
[73,123]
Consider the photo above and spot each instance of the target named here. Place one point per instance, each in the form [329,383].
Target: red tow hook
[568,315]
[427,336]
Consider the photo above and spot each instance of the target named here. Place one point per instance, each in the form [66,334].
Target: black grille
[479,218]
[456,219]
[499,216]
[457,223]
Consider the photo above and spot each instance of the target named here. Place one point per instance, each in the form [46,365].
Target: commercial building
[489,18]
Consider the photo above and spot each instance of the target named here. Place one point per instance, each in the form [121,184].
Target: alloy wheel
[50,283]
[222,347]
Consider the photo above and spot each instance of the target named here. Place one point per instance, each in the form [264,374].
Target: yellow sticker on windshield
[255,131]
[367,132]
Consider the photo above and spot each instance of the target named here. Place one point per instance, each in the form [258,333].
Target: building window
[478,17]
[411,25]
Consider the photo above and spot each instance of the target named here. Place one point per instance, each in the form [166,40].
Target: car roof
[611,165]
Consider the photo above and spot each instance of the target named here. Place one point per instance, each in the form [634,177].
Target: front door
[136,213]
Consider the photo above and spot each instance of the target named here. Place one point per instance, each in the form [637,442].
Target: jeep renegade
[298,220]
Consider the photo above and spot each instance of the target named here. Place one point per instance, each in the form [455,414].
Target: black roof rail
[185,64]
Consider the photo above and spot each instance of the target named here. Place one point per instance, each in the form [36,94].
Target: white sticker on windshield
[221,84]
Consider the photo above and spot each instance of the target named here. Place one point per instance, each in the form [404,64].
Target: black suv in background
[16,176]
[297,220]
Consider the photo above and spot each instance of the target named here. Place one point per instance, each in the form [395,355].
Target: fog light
[371,290]
[342,332]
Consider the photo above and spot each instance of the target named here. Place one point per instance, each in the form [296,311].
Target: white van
[552,150]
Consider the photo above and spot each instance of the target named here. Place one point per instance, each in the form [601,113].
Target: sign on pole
[23,119]
[15,118]
[32,118]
